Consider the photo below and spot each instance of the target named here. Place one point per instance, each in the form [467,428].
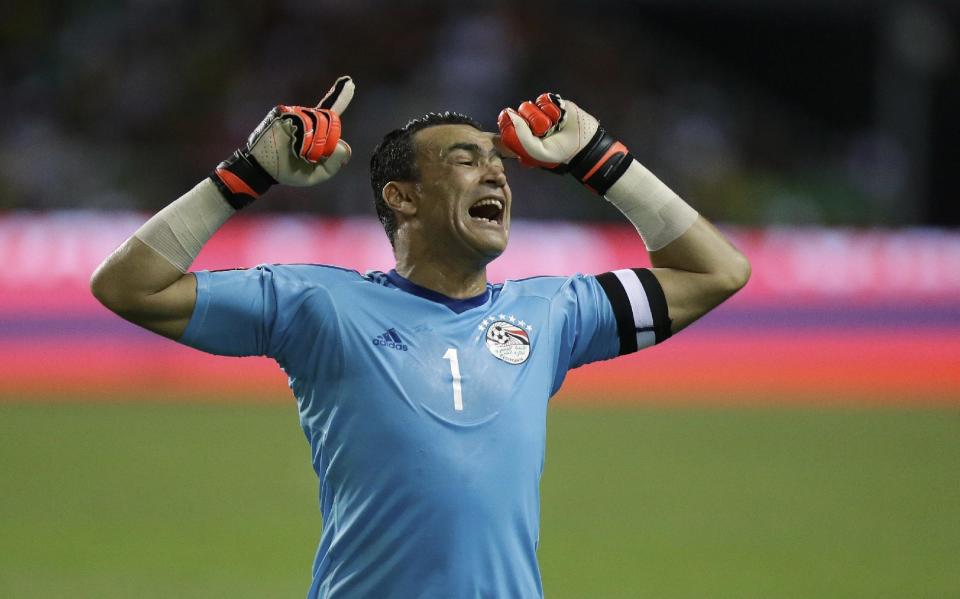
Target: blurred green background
[150,499]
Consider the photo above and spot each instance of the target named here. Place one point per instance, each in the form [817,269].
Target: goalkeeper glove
[293,145]
[557,135]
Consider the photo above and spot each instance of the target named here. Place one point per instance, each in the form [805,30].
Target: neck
[444,276]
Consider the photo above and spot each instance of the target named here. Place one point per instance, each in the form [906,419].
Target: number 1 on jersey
[455,373]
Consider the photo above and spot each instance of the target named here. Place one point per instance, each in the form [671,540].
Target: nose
[495,174]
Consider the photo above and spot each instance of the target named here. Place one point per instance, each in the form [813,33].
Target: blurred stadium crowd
[758,112]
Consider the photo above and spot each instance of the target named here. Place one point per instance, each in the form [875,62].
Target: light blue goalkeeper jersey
[425,415]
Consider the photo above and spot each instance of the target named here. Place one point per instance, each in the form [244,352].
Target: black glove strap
[248,181]
[612,167]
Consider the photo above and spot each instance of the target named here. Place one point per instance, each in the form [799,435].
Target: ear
[401,196]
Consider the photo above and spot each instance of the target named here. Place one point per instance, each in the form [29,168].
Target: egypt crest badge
[508,341]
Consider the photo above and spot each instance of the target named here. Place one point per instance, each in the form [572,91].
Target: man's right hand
[293,145]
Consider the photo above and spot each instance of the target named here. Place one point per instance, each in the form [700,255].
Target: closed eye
[464,158]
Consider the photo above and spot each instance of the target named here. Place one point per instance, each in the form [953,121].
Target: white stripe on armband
[642,318]
[639,308]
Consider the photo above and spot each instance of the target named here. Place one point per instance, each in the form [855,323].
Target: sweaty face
[464,203]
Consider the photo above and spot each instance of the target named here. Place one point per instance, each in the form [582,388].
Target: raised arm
[142,286]
[145,280]
[695,265]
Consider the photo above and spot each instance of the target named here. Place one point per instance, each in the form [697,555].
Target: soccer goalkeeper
[423,390]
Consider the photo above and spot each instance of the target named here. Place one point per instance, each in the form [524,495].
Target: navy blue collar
[457,305]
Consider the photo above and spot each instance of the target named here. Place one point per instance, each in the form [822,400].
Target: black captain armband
[639,307]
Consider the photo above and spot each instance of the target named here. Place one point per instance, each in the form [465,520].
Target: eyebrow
[471,147]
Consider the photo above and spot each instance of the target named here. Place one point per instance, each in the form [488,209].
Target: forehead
[437,140]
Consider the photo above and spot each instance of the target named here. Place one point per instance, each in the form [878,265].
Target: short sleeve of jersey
[609,315]
[283,312]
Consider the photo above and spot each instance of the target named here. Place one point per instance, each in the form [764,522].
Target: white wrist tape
[179,231]
[659,215]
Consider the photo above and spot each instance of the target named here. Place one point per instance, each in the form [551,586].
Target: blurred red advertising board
[48,258]
[828,313]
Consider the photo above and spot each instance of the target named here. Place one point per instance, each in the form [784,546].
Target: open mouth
[488,210]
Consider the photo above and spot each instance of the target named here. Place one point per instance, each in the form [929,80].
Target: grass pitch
[145,499]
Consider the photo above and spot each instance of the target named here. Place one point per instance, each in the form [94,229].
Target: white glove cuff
[659,214]
[179,231]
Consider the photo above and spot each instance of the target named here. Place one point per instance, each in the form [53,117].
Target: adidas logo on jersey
[390,339]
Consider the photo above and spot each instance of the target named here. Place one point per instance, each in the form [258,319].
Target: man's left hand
[559,136]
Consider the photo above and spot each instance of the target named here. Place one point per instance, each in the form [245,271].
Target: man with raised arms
[423,391]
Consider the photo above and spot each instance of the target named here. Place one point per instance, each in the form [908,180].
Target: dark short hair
[394,159]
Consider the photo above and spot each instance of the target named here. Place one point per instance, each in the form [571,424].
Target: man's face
[464,197]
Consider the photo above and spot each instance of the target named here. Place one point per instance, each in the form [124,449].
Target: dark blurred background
[759,112]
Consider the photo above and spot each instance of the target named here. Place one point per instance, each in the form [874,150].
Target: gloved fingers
[326,136]
[539,122]
[304,127]
[516,135]
[528,143]
[503,148]
[333,133]
[340,155]
[508,136]
[315,131]
[552,105]
[327,168]
[339,96]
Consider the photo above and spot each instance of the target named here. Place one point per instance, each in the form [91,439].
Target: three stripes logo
[390,339]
